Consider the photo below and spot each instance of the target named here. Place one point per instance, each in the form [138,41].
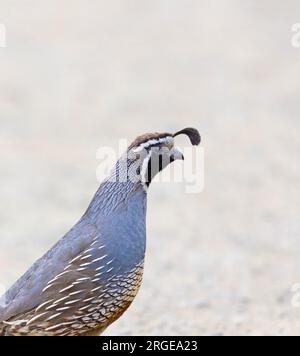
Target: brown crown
[192,133]
[147,137]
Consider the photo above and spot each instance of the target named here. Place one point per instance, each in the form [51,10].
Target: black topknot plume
[192,133]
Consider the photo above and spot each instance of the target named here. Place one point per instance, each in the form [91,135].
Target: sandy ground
[78,75]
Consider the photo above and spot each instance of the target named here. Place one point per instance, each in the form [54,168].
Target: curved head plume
[192,133]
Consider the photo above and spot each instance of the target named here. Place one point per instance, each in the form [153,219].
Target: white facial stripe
[168,140]
[144,169]
[153,142]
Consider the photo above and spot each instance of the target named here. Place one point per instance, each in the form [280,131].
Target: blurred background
[78,75]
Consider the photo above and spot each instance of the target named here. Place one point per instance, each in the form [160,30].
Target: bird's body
[95,269]
[91,276]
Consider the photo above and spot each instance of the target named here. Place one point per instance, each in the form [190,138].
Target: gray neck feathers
[116,191]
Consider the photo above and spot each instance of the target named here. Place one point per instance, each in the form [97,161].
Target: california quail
[91,276]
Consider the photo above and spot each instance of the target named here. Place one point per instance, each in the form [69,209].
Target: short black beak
[178,156]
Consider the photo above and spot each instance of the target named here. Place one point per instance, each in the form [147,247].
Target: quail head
[91,276]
